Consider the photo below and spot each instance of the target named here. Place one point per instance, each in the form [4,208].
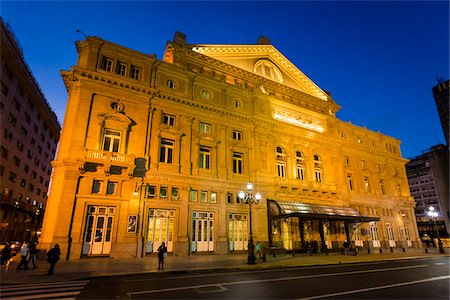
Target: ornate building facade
[157,150]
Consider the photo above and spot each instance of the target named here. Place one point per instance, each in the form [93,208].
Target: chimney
[179,38]
[263,40]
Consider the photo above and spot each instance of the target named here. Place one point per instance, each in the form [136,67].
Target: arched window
[281,162]
[267,69]
[318,168]
[300,165]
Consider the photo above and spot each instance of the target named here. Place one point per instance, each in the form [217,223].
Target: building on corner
[157,150]
[30,134]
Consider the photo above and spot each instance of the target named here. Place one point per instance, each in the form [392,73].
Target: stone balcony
[109,160]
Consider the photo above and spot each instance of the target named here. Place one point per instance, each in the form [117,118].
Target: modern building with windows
[30,133]
[157,150]
[441,98]
[428,178]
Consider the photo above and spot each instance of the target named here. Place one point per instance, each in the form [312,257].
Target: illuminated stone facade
[157,150]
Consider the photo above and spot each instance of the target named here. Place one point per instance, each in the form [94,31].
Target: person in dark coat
[33,254]
[162,253]
[53,256]
[6,255]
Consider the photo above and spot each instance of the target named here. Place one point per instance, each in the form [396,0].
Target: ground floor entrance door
[374,234]
[160,229]
[98,230]
[237,232]
[202,231]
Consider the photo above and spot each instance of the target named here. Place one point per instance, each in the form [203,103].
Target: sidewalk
[93,267]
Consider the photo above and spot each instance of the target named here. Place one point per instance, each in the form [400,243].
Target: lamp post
[140,220]
[433,215]
[250,199]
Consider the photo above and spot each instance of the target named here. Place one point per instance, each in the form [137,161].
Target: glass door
[98,230]
[160,229]
[202,231]
[237,231]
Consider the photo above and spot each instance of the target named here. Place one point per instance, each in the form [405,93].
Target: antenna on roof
[78,30]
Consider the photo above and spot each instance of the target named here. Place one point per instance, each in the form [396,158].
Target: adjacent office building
[30,133]
[157,150]
[441,98]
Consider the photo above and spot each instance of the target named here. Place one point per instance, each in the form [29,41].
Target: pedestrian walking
[258,249]
[162,253]
[33,255]
[52,258]
[6,256]
[23,255]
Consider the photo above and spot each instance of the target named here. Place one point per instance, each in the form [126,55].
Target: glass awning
[279,209]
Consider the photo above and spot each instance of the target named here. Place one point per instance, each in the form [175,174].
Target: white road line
[377,288]
[249,271]
[272,280]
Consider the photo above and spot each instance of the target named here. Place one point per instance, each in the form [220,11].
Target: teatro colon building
[157,150]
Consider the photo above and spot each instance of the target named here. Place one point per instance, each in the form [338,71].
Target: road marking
[377,288]
[212,289]
[251,271]
[270,280]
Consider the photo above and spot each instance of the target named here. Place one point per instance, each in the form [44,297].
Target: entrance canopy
[285,209]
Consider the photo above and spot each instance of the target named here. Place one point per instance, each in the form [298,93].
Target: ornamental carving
[298,119]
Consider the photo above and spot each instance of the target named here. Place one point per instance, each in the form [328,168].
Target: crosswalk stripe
[45,285]
[57,290]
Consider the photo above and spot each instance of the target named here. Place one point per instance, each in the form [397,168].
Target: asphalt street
[423,278]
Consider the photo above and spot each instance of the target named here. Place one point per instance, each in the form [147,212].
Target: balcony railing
[112,158]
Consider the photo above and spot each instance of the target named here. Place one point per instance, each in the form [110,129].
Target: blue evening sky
[379,59]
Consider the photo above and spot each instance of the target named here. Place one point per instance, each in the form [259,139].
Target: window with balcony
[300,165]
[281,161]
[111,140]
[238,159]
[318,169]
[205,158]
[166,151]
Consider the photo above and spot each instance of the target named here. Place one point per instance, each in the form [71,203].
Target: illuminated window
[205,128]
[203,196]
[300,165]
[205,94]
[205,158]
[193,195]
[213,198]
[267,69]
[281,162]
[111,140]
[366,184]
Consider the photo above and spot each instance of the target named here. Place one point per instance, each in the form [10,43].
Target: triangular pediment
[265,61]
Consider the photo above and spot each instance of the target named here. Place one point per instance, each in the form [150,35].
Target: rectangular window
[230,198]
[168,119]
[175,195]
[135,72]
[382,187]
[346,160]
[163,192]
[23,182]
[4,152]
[12,120]
[237,135]
[16,161]
[193,195]
[281,169]
[111,140]
[301,172]
[203,196]
[238,200]
[112,188]
[107,64]
[237,163]
[366,184]
[213,198]
[205,128]
[318,173]
[166,151]
[97,186]
[205,158]
[151,191]
[363,163]
[349,182]
[121,68]
[12,176]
